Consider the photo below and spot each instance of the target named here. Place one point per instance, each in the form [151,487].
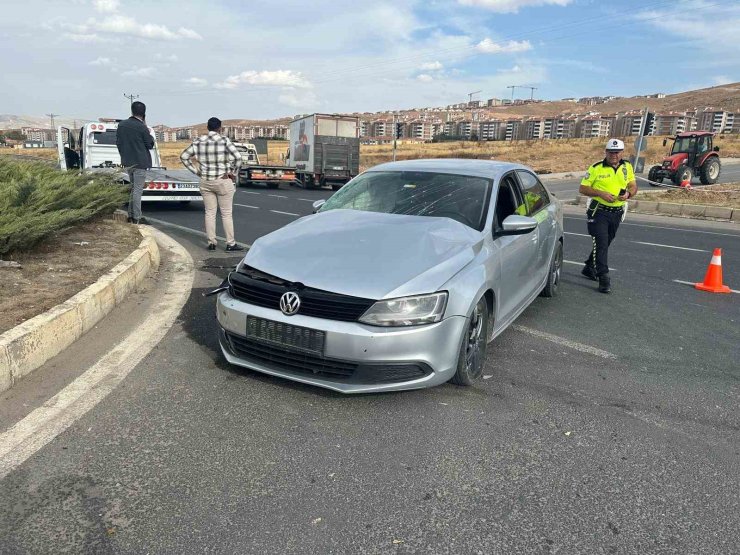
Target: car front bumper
[371,359]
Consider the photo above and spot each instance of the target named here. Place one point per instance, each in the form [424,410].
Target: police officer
[609,183]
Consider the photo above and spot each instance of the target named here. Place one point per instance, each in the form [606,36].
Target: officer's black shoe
[211,247]
[130,220]
[234,247]
[589,272]
[605,284]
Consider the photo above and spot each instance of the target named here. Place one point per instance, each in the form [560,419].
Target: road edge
[29,345]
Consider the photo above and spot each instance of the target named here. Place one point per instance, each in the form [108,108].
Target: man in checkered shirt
[218,163]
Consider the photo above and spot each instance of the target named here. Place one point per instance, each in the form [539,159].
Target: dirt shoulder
[61,267]
[726,194]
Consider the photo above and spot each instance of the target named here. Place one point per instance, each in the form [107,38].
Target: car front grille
[294,361]
[258,288]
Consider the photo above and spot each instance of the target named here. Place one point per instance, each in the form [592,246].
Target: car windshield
[463,198]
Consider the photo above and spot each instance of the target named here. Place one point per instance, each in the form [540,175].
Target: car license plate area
[297,338]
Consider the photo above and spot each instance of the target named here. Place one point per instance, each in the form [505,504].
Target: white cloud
[188,33]
[721,80]
[124,25]
[84,38]
[487,46]
[139,72]
[511,6]
[100,61]
[281,78]
[197,81]
[105,6]
[424,78]
[169,58]
[431,66]
[515,69]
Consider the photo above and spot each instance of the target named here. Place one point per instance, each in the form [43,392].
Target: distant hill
[10,121]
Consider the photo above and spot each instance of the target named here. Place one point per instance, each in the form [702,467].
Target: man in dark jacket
[134,142]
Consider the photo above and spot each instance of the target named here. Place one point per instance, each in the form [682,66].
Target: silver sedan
[399,280]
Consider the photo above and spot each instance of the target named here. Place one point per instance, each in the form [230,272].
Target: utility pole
[131,96]
[51,117]
[394,137]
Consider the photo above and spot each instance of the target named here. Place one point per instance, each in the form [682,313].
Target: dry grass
[544,156]
[724,194]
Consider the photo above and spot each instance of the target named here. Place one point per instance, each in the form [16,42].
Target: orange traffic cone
[686,184]
[713,279]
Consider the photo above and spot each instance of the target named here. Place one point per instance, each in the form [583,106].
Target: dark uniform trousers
[603,222]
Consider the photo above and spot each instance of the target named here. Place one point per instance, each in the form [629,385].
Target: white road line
[278,196]
[191,230]
[251,192]
[311,199]
[286,213]
[566,342]
[27,436]
[246,205]
[692,284]
[581,264]
[579,234]
[684,230]
[668,246]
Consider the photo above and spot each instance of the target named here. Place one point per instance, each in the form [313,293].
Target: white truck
[93,148]
[324,149]
[252,172]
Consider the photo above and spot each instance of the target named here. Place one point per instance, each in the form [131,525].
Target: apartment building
[563,128]
[465,129]
[670,123]
[534,129]
[631,124]
[420,130]
[714,120]
[594,126]
[39,134]
[492,130]
[514,129]
[365,128]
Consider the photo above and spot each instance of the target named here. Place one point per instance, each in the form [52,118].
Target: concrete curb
[29,345]
[694,211]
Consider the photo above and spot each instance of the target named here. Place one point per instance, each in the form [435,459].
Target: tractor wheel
[653,176]
[683,173]
[709,171]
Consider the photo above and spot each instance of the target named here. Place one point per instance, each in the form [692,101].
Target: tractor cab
[692,154]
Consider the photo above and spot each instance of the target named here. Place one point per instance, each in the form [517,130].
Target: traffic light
[649,119]
[399,130]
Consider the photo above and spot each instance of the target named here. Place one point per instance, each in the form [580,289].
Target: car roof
[490,169]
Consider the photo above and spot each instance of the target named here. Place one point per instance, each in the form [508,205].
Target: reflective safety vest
[602,177]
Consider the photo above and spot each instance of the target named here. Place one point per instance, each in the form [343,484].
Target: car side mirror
[317,204]
[716,149]
[517,225]
[665,142]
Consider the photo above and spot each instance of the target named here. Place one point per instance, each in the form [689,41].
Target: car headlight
[407,311]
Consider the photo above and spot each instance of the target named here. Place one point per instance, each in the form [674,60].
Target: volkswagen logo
[290,303]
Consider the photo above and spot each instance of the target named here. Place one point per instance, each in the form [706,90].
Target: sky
[260,59]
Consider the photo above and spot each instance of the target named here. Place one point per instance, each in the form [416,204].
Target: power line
[131,96]
[51,117]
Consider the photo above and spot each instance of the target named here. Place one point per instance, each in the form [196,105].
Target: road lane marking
[26,437]
[311,199]
[583,263]
[566,342]
[246,205]
[278,196]
[684,230]
[692,284]
[286,213]
[579,234]
[251,192]
[668,246]
[193,231]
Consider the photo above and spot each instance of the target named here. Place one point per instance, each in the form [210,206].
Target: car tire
[552,286]
[336,186]
[472,355]
[709,171]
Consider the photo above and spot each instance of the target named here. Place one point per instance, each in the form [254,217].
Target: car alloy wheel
[472,355]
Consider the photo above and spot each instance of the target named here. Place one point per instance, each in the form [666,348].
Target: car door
[517,254]
[542,208]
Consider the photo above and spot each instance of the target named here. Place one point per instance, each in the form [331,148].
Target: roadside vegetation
[722,194]
[38,201]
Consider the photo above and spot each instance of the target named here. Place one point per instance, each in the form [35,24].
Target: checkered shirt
[216,156]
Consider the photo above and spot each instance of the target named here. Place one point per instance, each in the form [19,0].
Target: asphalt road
[633,449]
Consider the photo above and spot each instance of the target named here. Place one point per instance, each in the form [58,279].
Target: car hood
[677,158]
[367,254]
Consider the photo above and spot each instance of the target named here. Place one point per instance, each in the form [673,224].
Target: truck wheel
[336,186]
[322,182]
[653,176]
[273,185]
[310,183]
[683,173]
[709,171]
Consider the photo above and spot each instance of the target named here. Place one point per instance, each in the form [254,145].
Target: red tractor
[692,154]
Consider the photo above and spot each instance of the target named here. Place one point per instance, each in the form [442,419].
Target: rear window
[107,137]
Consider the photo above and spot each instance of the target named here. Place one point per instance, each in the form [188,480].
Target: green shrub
[37,200]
